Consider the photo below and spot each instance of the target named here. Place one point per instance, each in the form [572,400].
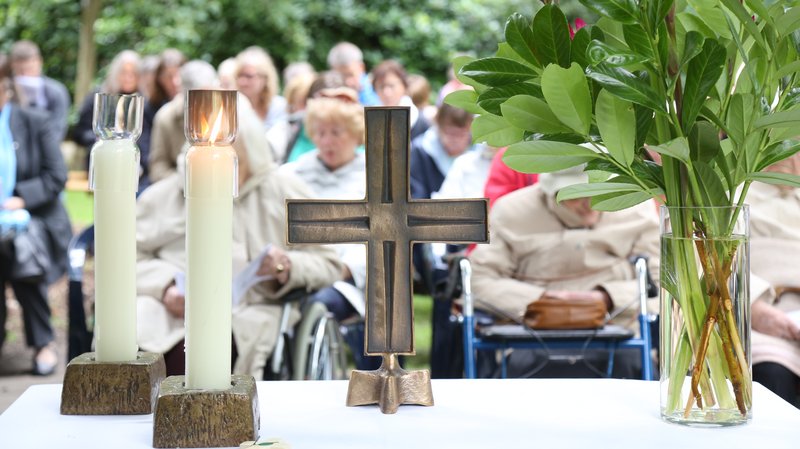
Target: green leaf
[776,153]
[712,190]
[692,46]
[676,148]
[551,37]
[638,41]
[562,137]
[626,85]
[613,202]
[722,162]
[740,116]
[496,72]
[532,114]
[595,189]
[663,44]
[464,99]
[494,130]
[567,94]
[704,142]
[506,52]
[703,72]
[775,178]
[744,18]
[624,11]
[657,10]
[458,63]
[579,44]
[760,9]
[492,98]
[788,22]
[715,18]
[782,134]
[542,156]
[616,121]
[708,114]
[519,36]
[752,147]
[598,52]
[691,22]
[782,119]
[792,98]
[788,69]
[644,121]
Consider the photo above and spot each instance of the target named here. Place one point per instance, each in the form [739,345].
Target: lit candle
[114,176]
[210,127]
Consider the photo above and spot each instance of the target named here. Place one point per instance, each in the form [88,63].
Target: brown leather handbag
[553,313]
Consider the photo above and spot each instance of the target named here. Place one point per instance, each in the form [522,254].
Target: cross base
[390,386]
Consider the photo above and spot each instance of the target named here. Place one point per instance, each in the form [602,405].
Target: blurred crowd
[301,135]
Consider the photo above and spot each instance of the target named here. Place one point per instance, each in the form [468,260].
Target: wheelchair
[314,349]
[480,333]
[311,350]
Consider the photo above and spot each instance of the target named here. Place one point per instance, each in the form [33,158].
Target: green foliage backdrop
[424,35]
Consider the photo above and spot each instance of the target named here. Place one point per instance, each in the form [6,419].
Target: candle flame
[216,128]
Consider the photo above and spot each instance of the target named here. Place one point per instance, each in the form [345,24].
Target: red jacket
[503,180]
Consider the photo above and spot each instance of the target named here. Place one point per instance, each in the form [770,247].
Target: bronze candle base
[206,418]
[390,386]
[112,388]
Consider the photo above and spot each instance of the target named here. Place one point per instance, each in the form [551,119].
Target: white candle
[114,179]
[210,188]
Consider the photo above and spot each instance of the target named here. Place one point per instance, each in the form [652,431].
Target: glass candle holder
[210,117]
[114,177]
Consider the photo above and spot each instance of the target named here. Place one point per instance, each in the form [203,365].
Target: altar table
[483,413]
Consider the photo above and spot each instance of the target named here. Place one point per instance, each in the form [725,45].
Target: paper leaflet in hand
[243,281]
[249,277]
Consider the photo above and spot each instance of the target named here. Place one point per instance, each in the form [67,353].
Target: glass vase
[704,352]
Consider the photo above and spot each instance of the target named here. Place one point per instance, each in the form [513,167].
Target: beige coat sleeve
[313,267]
[160,161]
[493,269]
[158,207]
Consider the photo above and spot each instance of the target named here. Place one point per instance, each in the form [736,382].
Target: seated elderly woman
[259,222]
[544,249]
[336,169]
[775,258]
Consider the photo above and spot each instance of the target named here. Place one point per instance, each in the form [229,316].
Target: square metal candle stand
[112,388]
[206,418]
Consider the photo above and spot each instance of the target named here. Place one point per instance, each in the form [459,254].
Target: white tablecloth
[557,413]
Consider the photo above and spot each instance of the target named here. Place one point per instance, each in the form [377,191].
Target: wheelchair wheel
[319,350]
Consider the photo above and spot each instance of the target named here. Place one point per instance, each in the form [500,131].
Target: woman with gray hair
[122,78]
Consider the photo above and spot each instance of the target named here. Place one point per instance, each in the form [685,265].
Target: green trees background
[79,37]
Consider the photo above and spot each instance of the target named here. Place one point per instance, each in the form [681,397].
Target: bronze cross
[389,222]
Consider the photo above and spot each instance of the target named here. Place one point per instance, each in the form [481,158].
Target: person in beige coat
[542,248]
[775,257]
[167,140]
[259,222]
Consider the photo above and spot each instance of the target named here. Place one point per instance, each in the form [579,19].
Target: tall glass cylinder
[114,177]
[705,361]
[211,185]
